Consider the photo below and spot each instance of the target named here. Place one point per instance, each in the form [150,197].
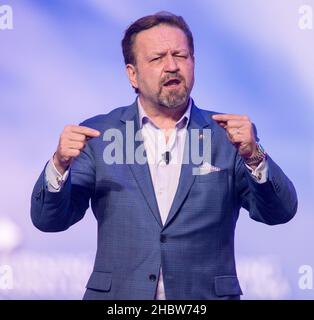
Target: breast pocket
[215,176]
[211,192]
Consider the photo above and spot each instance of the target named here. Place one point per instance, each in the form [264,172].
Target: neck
[164,118]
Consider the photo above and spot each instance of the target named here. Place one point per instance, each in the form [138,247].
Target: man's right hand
[72,141]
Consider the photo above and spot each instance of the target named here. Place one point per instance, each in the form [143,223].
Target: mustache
[171,76]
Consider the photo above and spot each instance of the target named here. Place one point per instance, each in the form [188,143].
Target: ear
[132,75]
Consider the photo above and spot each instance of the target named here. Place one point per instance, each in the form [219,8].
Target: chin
[173,104]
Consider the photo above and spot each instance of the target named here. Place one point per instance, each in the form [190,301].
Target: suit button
[163,238]
[152,277]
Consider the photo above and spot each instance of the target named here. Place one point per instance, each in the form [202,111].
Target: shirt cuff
[54,179]
[260,173]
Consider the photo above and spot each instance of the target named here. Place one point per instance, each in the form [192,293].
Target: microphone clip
[166,157]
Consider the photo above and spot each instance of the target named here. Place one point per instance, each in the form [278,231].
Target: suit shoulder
[100,121]
[207,113]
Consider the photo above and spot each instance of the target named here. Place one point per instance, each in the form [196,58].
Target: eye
[155,59]
[184,56]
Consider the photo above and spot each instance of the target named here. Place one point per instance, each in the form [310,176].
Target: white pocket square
[205,168]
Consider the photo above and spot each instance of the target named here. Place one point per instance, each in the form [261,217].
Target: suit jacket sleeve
[51,212]
[272,202]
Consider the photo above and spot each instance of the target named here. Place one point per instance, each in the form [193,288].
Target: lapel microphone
[166,157]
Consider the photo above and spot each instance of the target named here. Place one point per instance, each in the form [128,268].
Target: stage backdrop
[61,62]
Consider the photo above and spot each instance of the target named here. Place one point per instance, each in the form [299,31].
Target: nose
[171,64]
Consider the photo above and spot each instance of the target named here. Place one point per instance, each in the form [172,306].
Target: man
[165,231]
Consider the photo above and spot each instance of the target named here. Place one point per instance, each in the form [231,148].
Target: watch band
[258,158]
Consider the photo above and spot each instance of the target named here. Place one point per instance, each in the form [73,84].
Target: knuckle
[63,137]
[63,150]
[249,126]
[64,154]
[81,138]
[67,128]
[63,141]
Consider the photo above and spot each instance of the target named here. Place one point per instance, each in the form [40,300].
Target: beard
[175,97]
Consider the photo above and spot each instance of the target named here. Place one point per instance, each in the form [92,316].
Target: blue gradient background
[62,63]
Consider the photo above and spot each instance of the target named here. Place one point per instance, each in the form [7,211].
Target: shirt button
[152,277]
[163,238]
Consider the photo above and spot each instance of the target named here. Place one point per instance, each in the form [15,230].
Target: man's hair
[148,22]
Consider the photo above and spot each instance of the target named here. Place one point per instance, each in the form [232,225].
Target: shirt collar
[181,123]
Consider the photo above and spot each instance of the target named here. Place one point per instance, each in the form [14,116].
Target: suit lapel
[197,121]
[140,172]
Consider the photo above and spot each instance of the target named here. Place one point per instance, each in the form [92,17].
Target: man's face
[164,71]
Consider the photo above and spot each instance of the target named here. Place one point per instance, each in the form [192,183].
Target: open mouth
[172,83]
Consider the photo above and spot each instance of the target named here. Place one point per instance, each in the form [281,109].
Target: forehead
[160,38]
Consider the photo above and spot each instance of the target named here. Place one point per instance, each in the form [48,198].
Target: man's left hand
[239,129]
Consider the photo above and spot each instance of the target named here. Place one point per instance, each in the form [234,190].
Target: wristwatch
[258,158]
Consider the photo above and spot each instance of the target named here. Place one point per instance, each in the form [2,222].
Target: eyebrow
[162,53]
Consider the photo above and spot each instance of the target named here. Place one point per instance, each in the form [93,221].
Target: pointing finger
[227,117]
[88,132]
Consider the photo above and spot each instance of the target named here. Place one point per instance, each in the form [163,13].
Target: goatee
[175,97]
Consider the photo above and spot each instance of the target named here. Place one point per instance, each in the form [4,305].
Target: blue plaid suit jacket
[195,247]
